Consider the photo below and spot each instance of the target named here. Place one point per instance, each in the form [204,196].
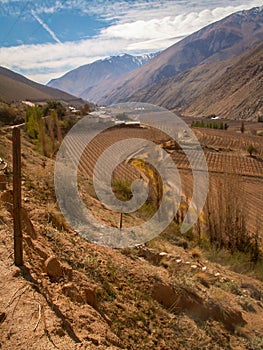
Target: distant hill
[219,41]
[15,87]
[237,93]
[94,80]
[231,88]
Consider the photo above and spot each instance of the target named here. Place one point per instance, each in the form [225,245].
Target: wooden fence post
[18,237]
[121,221]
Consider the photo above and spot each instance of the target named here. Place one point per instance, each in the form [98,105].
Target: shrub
[7,114]
[251,149]
[210,125]
[122,189]
[56,106]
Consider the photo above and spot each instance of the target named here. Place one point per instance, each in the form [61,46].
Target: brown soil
[72,294]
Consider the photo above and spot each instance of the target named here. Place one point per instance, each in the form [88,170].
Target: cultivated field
[227,159]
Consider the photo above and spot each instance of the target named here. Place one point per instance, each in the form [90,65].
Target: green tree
[33,117]
[54,105]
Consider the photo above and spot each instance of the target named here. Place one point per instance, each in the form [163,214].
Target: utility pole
[18,237]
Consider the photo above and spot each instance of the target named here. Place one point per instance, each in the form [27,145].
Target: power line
[39,25]
[14,23]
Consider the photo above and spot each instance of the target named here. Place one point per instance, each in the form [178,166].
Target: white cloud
[49,60]
[139,28]
[169,26]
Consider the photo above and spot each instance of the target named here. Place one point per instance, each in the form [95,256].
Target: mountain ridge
[16,87]
[92,80]
[218,41]
[205,89]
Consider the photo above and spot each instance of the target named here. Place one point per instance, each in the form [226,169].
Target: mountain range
[215,69]
[93,80]
[231,88]
[217,42]
[16,87]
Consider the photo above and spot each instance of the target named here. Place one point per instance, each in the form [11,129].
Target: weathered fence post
[18,237]
[121,221]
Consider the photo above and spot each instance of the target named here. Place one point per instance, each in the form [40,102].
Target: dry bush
[196,253]
[206,279]
[56,218]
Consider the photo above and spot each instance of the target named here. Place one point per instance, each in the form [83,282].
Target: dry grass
[196,253]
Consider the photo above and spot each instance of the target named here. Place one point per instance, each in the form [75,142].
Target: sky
[45,39]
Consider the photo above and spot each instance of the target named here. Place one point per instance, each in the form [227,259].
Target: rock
[183,299]
[163,254]
[72,292]
[67,271]
[164,294]
[27,225]
[53,267]
[2,317]
[16,272]
[91,297]
[80,295]
[150,255]
[40,250]
[253,291]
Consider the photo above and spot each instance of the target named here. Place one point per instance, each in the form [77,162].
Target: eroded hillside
[72,294]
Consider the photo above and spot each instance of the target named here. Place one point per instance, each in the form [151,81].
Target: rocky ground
[72,294]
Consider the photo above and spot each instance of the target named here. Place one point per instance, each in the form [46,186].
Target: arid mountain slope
[178,91]
[231,88]
[73,294]
[94,80]
[15,87]
[237,93]
[219,41]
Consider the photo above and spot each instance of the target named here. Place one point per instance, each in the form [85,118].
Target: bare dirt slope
[72,294]
[229,89]
[15,87]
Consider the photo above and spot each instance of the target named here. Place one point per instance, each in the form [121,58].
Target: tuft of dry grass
[196,253]
[205,278]
[56,218]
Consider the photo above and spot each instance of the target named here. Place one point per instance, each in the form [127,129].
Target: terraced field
[229,140]
[224,152]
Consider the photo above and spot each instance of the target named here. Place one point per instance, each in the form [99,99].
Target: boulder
[53,268]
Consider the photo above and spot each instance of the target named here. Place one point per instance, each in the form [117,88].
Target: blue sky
[46,38]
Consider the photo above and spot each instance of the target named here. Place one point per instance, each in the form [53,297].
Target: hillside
[15,87]
[166,294]
[231,88]
[237,93]
[179,91]
[219,41]
[94,80]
